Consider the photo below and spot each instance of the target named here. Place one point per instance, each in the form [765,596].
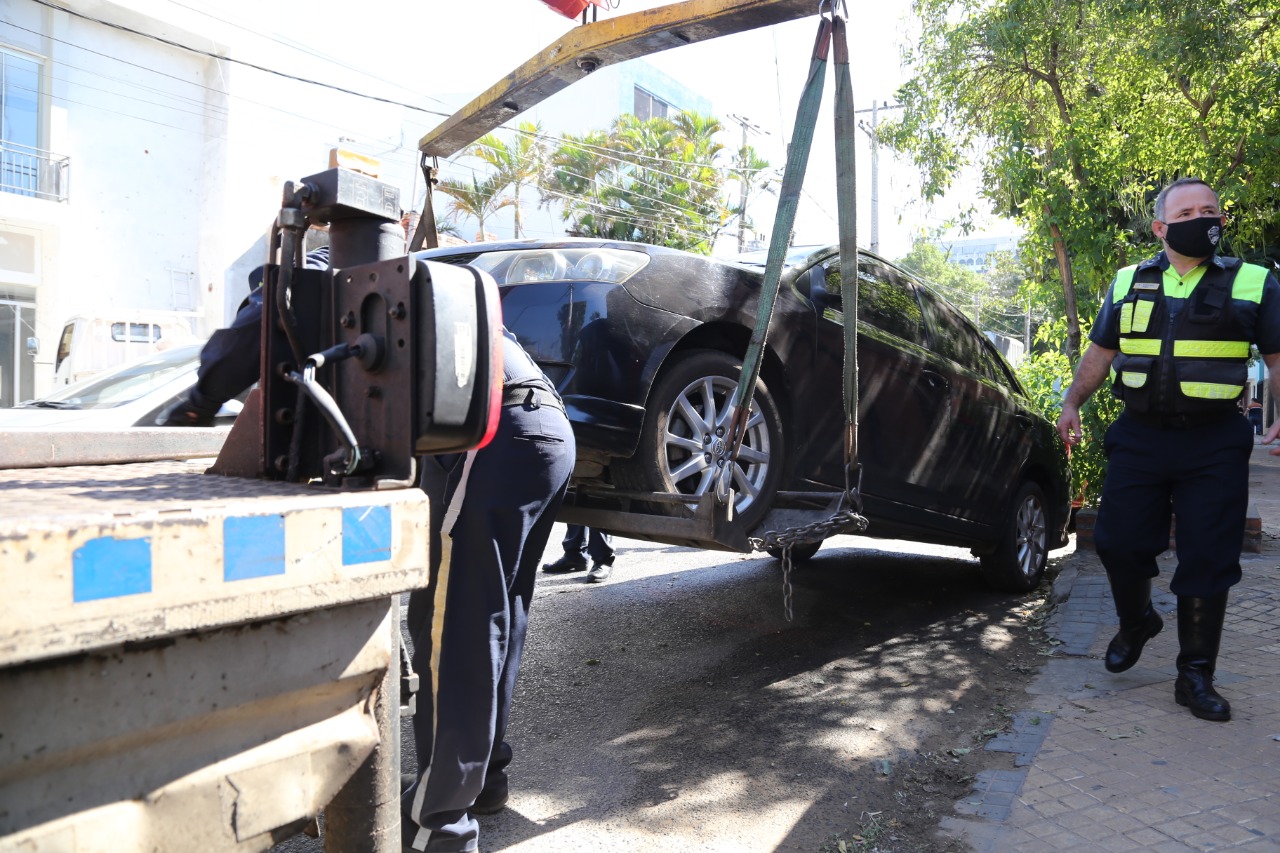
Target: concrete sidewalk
[1110,762]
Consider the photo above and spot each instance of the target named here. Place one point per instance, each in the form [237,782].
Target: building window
[648,106]
[25,169]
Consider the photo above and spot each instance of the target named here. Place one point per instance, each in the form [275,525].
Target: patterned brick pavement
[1105,762]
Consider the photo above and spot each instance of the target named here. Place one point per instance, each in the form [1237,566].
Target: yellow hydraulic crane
[585,48]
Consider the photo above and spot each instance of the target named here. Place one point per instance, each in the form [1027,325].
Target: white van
[90,344]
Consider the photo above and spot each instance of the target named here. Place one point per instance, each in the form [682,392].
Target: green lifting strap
[831,30]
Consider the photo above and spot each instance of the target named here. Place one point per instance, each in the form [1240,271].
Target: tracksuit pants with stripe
[492,512]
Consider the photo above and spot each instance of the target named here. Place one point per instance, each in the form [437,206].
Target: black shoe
[1139,621]
[567,563]
[1199,635]
[599,572]
[1126,645]
[493,798]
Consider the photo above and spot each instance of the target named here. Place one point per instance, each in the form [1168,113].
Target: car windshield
[125,384]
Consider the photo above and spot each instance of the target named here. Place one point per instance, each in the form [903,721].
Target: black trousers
[597,544]
[491,514]
[1201,476]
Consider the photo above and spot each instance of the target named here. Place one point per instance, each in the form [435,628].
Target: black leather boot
[1139,622]
[1199,634]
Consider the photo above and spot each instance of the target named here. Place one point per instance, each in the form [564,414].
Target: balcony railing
[32,172]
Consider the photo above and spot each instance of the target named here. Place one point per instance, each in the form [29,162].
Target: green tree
[519,162]
[651,181]
[753,176]
[964,288]
[479,198]
[1078,111]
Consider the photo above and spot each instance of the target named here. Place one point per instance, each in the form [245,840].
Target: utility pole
[875,165]
[743,180]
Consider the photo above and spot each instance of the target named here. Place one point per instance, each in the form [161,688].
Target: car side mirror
[33,346]
[821,298]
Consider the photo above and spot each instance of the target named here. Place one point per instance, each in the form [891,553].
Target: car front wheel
[1017,564]
[683,445]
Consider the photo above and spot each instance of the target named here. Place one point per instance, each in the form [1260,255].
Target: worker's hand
[1271,436]
[1069,426]
[185,413]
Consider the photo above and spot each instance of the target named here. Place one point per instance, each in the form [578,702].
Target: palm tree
[652,180]
[478,198]
[751,171]
[518,163]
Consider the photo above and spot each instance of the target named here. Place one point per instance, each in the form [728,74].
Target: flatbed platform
[94,556]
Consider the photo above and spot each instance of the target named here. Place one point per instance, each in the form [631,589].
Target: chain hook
[833,9]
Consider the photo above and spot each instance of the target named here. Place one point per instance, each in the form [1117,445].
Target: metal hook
[834,9]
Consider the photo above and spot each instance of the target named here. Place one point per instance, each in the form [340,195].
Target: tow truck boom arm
[591,46]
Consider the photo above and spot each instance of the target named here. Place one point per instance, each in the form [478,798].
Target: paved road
[675,708]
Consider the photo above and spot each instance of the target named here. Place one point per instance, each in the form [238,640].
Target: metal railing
[34,172]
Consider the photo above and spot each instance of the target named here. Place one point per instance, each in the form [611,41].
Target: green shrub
[1045,376]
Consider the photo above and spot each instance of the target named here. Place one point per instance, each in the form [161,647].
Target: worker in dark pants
[1175,331]
[229,361]
[492,513]
[581,542]
[499,504]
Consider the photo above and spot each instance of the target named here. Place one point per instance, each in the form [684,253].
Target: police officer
[1174,333]
[499,507]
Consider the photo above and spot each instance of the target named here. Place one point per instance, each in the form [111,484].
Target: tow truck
[209,657]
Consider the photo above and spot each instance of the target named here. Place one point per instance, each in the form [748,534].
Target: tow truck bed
[197,662]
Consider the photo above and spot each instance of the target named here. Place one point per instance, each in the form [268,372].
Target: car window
[125,384]
[952,337]
[999,368]
[884,300]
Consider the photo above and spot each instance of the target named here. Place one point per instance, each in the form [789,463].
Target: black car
[645,345]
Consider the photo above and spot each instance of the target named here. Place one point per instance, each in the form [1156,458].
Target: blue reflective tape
[252,547]
[107,567]
[366,535]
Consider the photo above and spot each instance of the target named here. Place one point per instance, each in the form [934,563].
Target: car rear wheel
[799,553]
[1018,561]
[682,446]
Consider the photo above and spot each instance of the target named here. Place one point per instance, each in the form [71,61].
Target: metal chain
[844,521]
[786,584]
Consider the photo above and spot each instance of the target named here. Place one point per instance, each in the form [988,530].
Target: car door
[989,436]
[903,410]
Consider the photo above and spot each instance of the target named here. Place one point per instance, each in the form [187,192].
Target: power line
[299,46]
[242,62]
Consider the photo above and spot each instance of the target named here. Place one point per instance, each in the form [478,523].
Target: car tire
[1017,564]
[679,444]
[799,553]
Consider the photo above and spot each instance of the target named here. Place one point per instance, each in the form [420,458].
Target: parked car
[131,395]
[645,345]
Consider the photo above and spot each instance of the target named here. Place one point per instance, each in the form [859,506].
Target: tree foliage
[651,181]
[964,288]
[511,166]
[1078,111]
[478,197]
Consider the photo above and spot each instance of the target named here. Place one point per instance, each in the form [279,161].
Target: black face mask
[1194,238]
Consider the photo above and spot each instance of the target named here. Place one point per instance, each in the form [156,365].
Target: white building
[975,253]
[139,175]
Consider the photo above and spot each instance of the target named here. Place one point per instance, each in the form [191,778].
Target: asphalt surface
[674,707]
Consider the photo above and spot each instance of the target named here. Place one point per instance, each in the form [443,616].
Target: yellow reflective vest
[1194,361]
